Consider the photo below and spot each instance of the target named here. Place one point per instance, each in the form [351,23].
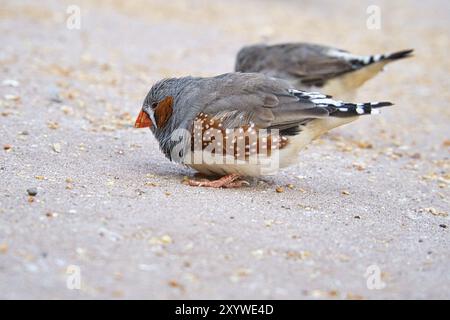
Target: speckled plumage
[247,103]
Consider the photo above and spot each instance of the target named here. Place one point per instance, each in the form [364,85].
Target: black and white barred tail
[337,108]
[359,109]
[363,61]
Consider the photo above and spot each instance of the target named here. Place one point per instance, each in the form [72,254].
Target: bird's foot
[228,181]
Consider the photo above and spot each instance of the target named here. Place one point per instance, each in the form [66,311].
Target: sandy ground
[372,196]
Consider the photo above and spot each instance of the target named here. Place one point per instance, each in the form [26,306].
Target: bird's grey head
[158,105]
[158,110]
[157,99]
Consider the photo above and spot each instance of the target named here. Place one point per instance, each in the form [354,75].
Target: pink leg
[228,181]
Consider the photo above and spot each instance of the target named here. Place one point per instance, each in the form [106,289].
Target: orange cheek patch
[163,111]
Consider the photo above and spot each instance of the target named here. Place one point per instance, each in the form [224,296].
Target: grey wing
[311,64]
[314,66]
[264,101]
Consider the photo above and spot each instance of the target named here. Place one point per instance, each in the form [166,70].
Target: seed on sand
[435,212]
[279,189]
[446,143]
[11,97]
[56,147]
[53,125]
[175,284]
[364,144]
[3,247]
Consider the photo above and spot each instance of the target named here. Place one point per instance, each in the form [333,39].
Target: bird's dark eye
[154,104]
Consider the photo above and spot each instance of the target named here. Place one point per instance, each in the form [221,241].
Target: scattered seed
[321,294]
[117,293]
[446,143]
[364,145]
[435,212]
[57,147]
[359,166]
[53,125]
[3,247]
[166,239]
[297,255]
[352,296]
[239,274]
[67,110]
[268,223]
[258,254]
[11,97]
[176,284]
[279,190]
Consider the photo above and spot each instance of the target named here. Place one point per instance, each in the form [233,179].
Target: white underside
[271,165]
[344,87]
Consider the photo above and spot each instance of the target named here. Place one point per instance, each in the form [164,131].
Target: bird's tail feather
[358,109]
[367,60]
[336,108]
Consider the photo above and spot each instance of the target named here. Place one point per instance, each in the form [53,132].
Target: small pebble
[10,83]
[11,97]
[32,192]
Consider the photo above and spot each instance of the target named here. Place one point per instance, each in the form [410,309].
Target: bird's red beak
[143,120]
